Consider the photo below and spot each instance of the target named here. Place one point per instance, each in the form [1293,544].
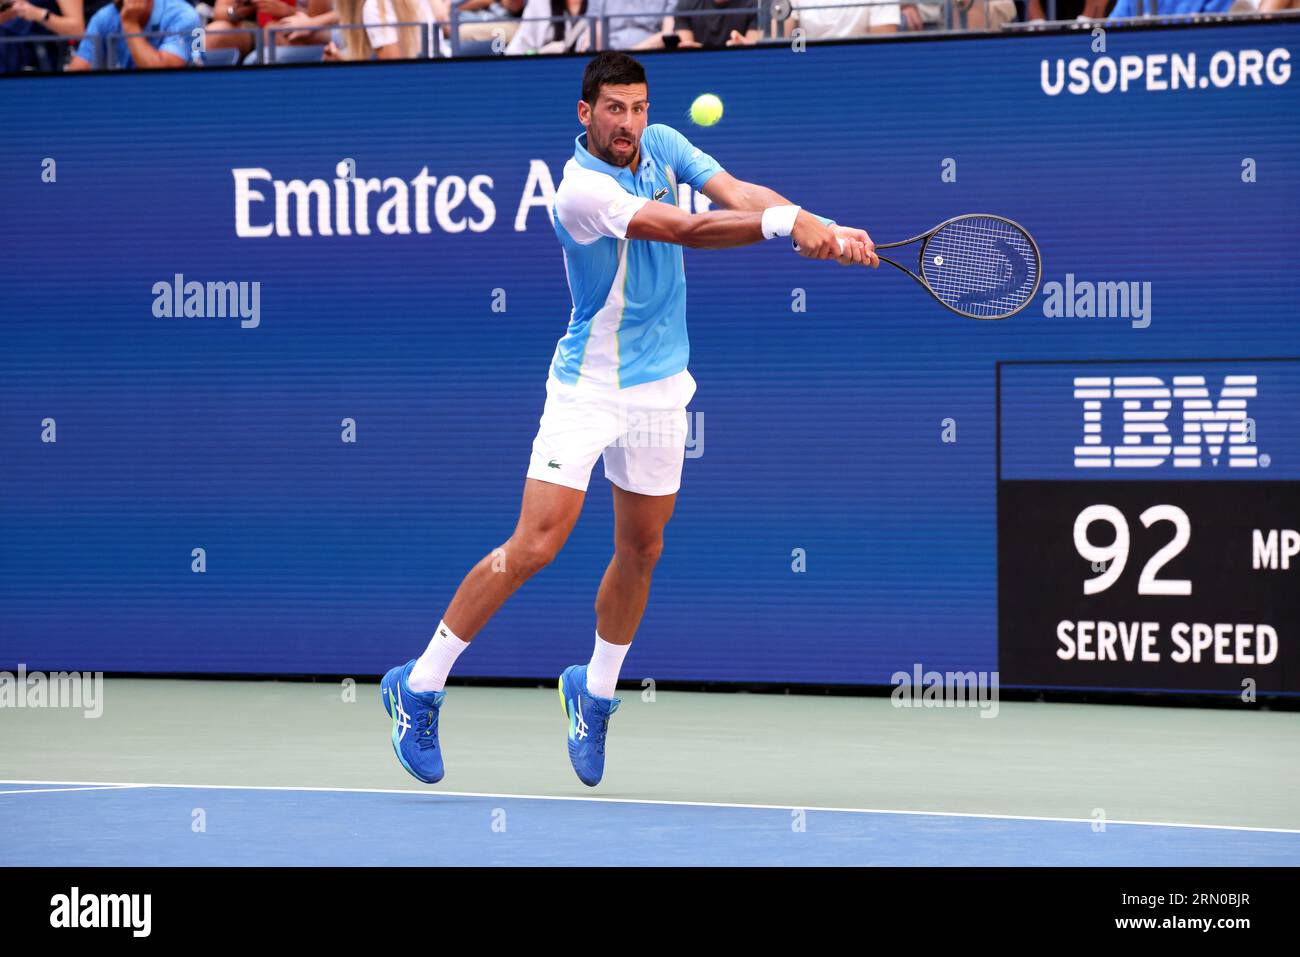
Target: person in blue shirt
[140,16]
[1167,8]
[617,387]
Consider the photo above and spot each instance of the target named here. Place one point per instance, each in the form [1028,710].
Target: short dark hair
[606,67]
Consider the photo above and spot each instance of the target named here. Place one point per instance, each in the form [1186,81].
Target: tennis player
[618,387]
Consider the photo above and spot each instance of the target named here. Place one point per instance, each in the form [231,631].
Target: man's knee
[221,34]
[641,553]
[529,554]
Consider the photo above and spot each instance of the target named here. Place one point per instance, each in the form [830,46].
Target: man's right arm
[592,205]
[728,228]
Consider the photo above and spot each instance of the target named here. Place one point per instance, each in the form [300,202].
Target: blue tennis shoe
[415,724]
[588,718]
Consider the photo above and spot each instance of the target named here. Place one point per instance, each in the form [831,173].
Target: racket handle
[839,238]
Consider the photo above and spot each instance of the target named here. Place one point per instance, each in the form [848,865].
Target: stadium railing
[433,45]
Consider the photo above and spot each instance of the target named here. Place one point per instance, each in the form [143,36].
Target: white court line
[91,787]
[604,800]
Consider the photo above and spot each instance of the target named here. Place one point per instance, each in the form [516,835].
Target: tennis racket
[978,265]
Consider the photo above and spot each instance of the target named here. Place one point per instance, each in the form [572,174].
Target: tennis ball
[706,110]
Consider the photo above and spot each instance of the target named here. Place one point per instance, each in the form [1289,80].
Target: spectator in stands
[486,23]
[54,16]
[1067,10]
[730,26]
[985,14]
[472,11]
[1262,6]
[315,26]
[633,24]
[849,19]
[1130,8]
[922,16]
[968,14]
[380,40]
[573,34]
[175,18]
[229,16]
[40,18]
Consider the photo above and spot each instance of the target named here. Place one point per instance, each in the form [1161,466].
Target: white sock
[430,671]
[602,670]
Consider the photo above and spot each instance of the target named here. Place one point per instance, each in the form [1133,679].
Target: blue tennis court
[69,824]
[691,778]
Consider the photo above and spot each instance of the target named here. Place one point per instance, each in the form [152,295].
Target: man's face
[615,124]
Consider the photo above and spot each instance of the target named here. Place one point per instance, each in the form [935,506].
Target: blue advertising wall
[828,399]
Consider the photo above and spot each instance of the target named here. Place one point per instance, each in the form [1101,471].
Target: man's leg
[546,518]
[219,33]
[639,522]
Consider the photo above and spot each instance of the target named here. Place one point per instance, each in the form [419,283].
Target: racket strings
[981,266]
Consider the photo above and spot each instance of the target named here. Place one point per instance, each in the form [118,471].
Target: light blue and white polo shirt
[173,17]
[628,323]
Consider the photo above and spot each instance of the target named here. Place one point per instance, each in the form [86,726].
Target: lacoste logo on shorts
[553,464]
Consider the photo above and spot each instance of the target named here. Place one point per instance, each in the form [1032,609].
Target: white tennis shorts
[640,430]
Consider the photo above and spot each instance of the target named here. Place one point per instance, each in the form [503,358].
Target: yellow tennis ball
[706,110]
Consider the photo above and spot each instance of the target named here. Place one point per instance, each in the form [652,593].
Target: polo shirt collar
[584,158]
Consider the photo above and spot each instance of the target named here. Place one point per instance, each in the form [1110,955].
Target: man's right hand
[852,233]
[134,14]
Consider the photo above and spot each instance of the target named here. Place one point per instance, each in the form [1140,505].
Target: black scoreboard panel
[1149,525]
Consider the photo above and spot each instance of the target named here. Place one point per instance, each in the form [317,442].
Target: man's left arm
[726,191]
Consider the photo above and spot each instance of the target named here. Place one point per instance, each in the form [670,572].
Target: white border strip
[107,785]
[89,787]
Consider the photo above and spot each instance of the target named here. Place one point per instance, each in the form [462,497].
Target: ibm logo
[1207,426]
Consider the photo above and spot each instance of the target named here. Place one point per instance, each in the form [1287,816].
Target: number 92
[1114,557]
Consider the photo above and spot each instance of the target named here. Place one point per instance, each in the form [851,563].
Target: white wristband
[779,221]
